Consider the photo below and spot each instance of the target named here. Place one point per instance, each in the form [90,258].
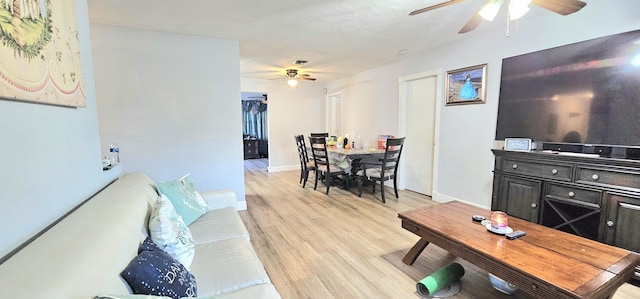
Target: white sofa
[83,255]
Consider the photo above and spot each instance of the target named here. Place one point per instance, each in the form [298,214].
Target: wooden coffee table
[546,263]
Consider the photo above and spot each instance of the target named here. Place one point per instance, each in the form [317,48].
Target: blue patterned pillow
[148,245]
[155,272]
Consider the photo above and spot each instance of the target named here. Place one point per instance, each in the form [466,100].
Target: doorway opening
[255,120]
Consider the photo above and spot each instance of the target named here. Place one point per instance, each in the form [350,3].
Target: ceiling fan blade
[472,24]
[563,7]
[432,7]
[307,78]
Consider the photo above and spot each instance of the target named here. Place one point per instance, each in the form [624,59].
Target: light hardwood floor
[342,246]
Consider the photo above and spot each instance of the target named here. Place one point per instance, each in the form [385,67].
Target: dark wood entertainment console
[596,198]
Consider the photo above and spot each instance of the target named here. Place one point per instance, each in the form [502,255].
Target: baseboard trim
[283,168]
[439,197]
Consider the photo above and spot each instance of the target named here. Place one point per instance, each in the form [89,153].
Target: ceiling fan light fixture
[292,82]
[490,10]
[518,8]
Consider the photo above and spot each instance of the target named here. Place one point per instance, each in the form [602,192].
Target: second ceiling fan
[517,8]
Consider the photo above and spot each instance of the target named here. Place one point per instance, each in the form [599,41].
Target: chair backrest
[392,154]
[303,146]
[319,135]
[302,151]
[319,151]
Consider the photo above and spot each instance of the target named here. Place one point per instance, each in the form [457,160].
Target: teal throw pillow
[185,198]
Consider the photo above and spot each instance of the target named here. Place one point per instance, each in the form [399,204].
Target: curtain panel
[254,120]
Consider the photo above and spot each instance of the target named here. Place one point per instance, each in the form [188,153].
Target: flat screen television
[586,93]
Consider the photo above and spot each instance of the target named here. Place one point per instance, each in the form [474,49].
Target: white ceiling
[338,37]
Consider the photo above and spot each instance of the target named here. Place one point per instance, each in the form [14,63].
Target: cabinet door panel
[623,222]
[521,197]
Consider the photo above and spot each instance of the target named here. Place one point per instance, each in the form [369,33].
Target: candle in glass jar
[499,220]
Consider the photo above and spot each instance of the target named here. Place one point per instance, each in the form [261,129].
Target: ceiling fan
[517,8]
[293,76]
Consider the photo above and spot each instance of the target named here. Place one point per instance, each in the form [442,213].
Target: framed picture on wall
[467,85]
[40,53]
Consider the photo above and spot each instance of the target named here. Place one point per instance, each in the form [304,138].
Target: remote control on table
[515,234]
[477,218]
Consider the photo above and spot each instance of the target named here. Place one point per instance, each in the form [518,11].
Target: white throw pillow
[169,232]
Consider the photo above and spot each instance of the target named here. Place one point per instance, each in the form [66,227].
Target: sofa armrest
[220,199]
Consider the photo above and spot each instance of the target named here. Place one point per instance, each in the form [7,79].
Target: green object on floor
[439,279]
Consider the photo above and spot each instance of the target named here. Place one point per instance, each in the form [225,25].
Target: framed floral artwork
[466,85]
[40,53]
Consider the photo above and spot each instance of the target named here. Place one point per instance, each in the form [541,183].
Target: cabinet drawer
[614,178]
[561,172]
[251,149]
[573,194]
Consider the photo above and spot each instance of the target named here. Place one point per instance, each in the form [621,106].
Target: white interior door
[334,114]
[419,94]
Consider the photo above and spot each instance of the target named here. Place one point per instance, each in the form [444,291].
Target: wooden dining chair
[383,170]
[319,134]
[324,169]
[306,165]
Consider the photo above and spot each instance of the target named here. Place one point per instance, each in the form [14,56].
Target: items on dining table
[348,141]
[356,142]
[340,142]
[332,141]
[382,141]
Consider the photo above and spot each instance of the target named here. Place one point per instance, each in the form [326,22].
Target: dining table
[349,159]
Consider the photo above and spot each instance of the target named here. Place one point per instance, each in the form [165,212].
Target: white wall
[369,104]
[172,103]
[292,111]
[50,156]
[467,131]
